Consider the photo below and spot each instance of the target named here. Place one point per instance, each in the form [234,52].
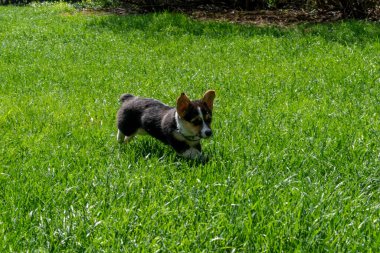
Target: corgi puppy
[181,127]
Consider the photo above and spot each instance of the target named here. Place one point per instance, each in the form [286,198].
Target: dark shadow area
[345,32]
[147,147]
[173,24]
[358,9]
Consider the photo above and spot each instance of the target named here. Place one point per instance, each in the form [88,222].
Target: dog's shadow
[144,147]
[149,148]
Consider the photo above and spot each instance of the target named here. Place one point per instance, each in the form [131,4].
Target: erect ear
[208,98]
[183,103]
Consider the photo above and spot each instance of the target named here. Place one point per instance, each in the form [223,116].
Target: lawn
[294,162]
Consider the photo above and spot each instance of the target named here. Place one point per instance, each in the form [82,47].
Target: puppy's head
[195,116]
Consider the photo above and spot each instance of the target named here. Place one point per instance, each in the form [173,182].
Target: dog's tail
[125,97]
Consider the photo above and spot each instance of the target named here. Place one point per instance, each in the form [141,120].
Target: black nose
[208,133]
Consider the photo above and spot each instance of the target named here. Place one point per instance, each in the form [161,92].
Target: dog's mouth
[191,137]
[203,135]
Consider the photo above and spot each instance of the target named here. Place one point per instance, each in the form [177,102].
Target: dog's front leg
[192,153]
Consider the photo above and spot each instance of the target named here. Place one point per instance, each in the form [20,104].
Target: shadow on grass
[169,24]
[152,149]
[143,147]
[344,32]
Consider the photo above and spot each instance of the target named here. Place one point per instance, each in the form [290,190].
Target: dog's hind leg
[129,138]
[120,136]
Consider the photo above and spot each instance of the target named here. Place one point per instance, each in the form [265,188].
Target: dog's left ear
[208,98]
[183,103]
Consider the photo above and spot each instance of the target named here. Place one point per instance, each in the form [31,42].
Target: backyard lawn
[294,163]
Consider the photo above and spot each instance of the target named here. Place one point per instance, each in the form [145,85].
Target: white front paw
[192,153]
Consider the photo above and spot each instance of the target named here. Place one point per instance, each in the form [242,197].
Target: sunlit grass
[294,161]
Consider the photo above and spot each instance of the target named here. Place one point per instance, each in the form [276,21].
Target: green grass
[294,160]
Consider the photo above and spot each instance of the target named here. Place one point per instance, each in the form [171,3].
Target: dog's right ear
[183,103]
[208,98]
